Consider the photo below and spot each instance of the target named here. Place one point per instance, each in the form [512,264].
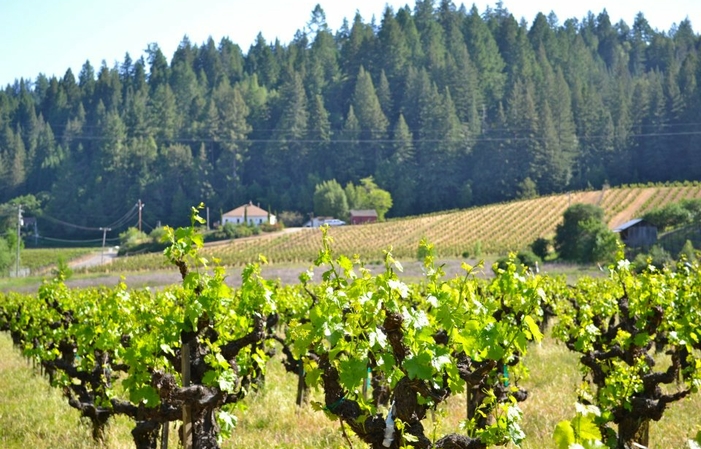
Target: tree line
[443,106]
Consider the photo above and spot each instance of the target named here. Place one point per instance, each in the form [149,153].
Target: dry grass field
[32,415]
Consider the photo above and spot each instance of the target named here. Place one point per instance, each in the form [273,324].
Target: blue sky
[49,36]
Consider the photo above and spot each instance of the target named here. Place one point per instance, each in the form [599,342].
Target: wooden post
[301,386]
[104,237]
[19,239]
[187,412]
[141,205]
[164,435]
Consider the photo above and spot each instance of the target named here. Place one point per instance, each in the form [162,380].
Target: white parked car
[334,222]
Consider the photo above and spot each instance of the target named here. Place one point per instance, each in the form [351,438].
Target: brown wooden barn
[637,233]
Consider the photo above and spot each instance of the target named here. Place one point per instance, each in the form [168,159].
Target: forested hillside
[445,107]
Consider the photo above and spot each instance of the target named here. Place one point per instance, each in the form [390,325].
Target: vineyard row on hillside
[494,229]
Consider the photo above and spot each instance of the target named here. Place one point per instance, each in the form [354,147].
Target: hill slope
[494,228]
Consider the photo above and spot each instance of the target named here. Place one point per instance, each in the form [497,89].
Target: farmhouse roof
[247,209]
[363,213]
[628,224]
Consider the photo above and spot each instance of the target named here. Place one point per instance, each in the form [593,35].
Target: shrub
[542,247]
[62,270]
[688,253]
[670,216]
[528,259]
[477,250]
[657,257]
[425,250]
[291,218]
[583,235]
[131,238]
[6,255]
[157,234]
[229,229]
[523,261]
[266,227]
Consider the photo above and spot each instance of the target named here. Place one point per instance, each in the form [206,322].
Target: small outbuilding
[361,216]
[250,214]
[637,233]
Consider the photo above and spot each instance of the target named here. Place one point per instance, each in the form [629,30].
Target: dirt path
[92,260]
[627,213]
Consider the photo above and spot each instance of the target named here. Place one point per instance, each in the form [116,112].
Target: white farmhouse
[248,212]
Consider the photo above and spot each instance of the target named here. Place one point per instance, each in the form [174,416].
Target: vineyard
[37,259]
[493,229]
[383,355]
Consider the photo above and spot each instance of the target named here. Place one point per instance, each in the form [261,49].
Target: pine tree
[161,114]
[319,136]
[159,72]
[398,173]
[232,129]
[261,61]
[232,61]
[486,57]
[392,49]
[208,60]
[347,156]
[372,120]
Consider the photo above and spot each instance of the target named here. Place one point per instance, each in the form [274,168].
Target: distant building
[363,216]
[637,233]
[318,222]
[248,212]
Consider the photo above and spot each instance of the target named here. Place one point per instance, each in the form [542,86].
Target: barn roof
[628,224]
[363,213]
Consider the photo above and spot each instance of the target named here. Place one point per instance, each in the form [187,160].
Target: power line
[413,140]
[51,239]
[71,225]
[147,225]
[118,223]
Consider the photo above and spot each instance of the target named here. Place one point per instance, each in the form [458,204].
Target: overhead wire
[481,138]
[52,239]
[116,224]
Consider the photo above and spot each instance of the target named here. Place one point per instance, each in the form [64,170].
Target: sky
[50,36]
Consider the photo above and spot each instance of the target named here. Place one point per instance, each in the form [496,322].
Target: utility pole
[104,237]
[141,206]
[19,240]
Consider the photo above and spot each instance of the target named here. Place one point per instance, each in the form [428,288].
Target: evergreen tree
[392,49]
[162,117]
[486,57]
[346,156]
[230,135]
[261,61]
[399,172]
[372,121]
[323,60]
[319,136]
[159,72]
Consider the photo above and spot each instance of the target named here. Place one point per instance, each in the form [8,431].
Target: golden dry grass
[32,415]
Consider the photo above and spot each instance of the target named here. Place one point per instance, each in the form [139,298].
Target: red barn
[363,216]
